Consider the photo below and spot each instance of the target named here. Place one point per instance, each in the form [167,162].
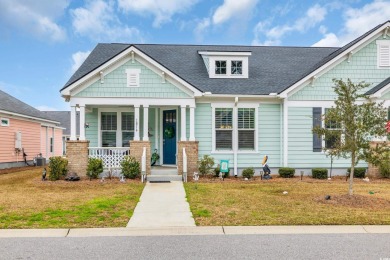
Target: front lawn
[238,202]
[27,202]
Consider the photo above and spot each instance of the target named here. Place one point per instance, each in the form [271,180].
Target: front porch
[112,132]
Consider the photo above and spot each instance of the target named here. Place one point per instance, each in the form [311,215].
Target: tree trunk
[350,190]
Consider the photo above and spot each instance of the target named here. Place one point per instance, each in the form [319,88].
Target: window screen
[223,128]
[246,128]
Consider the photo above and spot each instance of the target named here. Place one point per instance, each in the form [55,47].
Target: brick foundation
[77,155]
[192,157]
[136,149]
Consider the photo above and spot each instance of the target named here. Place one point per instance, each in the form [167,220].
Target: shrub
[205,165]
[57,167]
[248,173]
[286,172]
[384,165]
[319,173]
[359,172]
[95,167]
[130,167]
[217,171]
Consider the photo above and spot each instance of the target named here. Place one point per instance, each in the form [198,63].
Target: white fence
[111,156]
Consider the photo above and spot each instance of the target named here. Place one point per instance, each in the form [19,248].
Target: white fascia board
[96,72]
[28,117]
[115,101]
[332,63]
[225,53]
[52,126]
[380,92]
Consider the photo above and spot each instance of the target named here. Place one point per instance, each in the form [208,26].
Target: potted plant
[155,157]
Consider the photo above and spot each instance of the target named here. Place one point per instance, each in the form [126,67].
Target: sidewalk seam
[223,230]
[365,229]
[67,232]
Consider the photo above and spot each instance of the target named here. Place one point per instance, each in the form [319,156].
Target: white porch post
[73,123]
[192,123]
[136,123]
[146,123]
[183,127]
[82,123]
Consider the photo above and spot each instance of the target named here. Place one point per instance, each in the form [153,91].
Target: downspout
[285,132]
[235,134]
[281,135]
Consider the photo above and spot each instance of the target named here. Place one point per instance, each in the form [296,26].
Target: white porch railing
[111,156]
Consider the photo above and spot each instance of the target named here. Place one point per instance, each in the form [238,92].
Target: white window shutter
[384,55]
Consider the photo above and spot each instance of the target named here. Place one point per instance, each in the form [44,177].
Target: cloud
[313,16]
[233,9]
[200,29]
[35,17]
[163,10]
[46,108]
[357,22]
[78,58]
[98,21]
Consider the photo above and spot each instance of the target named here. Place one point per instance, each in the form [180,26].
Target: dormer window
[236,67]
[220,67]
[226,64]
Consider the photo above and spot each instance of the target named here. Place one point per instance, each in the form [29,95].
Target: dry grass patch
[255,202]
[27,202]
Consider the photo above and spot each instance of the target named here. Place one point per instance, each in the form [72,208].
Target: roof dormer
[226,64]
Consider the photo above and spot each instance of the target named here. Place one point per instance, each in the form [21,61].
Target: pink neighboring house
[24,129]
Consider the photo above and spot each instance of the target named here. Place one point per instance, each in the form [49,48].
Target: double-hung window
[108,128]
[224,129]
[332,140]
[246,128]
[127,128]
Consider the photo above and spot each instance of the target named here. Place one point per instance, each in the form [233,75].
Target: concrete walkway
[162,205]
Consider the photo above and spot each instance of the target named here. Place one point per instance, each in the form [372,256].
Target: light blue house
[231,102]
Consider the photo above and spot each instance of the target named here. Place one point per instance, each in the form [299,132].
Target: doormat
[160,181]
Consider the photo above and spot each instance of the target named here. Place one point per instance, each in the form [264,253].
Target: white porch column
[146,123]
[136,123]
[82,123]
[192,123]
[73,123]
[183,127]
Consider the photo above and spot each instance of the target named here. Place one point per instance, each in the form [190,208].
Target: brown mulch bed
[356,201]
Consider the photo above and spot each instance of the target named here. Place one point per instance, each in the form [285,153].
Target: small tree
[359,120]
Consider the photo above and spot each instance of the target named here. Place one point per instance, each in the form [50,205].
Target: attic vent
[383,53]
[133,77]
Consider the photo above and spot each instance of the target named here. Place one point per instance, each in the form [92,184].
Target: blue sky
[42,42]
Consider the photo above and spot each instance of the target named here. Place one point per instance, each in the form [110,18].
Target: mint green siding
[115,85]
[362,67]
[300,142]
[91,133]
[269,133]
[386,96]
[203,128]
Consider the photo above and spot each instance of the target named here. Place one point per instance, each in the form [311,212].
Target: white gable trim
[379,93]
[334,62]
[126,54]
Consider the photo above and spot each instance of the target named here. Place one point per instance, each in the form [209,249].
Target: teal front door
[169,137]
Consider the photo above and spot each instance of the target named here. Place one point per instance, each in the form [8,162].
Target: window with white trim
[383,47]
[236,67]
[332,140]
[220,67]
[246,128]
[223,129]
[108,127]
[4,122]
[133,77]
[127,128]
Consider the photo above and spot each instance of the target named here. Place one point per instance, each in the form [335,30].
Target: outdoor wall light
[86,125]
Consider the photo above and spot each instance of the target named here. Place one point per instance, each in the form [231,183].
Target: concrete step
[171,177]
[163,171]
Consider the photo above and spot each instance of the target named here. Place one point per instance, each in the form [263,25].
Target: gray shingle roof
[64,118]
[13,105]
[379,86]
[271,69]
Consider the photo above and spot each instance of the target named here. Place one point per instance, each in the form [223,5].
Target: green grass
[30,203]
[263,202]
